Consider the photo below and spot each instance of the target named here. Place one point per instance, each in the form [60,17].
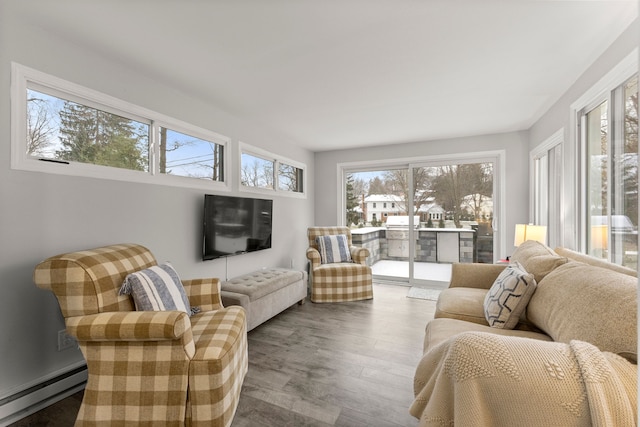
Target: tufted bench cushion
[265,293]
[263,282]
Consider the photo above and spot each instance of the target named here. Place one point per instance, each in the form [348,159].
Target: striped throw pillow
[333,249]
[157,288]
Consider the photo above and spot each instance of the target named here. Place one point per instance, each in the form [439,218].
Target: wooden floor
[346,364]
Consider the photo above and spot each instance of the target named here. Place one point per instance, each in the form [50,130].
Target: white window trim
[499,189]
[244,148]
[542,150]
[619,74]
[23,77]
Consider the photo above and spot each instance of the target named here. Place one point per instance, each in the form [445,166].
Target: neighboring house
[431,211]
[379,206]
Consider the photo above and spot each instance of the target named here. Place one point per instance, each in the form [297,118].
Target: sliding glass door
[418,219]
[375,200]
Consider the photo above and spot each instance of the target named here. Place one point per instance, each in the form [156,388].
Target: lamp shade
[599,237]
[530,232]
[521,232]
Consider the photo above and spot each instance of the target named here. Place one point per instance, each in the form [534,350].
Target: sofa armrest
[130,326]
[474,275]
[203,293]
[359,255]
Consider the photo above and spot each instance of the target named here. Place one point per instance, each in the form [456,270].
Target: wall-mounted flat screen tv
[235,225]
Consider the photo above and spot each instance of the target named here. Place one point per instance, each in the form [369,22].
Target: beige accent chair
[160,368]
[338,281]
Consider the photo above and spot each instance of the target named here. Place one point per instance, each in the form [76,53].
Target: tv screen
[235,225]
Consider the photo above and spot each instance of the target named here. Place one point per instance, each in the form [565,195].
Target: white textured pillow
[157,288]
[333,248]
[509,296]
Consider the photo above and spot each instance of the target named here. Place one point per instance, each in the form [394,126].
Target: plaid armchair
[160,368]
[338,281]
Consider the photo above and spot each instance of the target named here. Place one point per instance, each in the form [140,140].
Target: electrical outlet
[65,340]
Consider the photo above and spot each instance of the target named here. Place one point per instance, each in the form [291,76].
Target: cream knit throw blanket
[482,379]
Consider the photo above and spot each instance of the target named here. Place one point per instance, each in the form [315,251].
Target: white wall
[515,145]
[559,117]
[42,215]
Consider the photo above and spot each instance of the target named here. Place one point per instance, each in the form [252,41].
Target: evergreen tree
[353,217]
[92,136]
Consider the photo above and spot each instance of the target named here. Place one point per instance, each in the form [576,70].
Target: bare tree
[359,186]
[256,173]
[376,186]
[455,182]
[397,183]
[39,127]
[289,177]
[478,179]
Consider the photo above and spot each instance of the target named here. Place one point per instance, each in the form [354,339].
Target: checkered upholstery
[154,368]
[337,282]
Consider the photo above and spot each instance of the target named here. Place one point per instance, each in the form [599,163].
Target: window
[182,154]
[608,130]
[60,130]
[258,171]
[289,178]
[546,167]
[59,127]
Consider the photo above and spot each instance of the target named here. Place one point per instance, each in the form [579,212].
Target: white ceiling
[348,73]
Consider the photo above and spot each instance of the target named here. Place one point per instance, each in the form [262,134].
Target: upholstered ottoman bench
[265,293]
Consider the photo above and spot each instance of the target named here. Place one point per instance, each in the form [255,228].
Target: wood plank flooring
[346,364]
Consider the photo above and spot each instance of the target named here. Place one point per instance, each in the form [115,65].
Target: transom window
[66,131]
[63,128]
[258,171]
[182,154]
[290,178]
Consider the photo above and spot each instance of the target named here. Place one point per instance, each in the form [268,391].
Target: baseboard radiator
[47,391]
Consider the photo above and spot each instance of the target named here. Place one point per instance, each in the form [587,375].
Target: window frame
[195,132]
[599,92]
[497,157]
[23,78]
[546,163]
[244,148]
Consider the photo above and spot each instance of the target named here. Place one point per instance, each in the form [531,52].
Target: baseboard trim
[43,393]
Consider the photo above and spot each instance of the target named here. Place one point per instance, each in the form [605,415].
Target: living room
[46,213]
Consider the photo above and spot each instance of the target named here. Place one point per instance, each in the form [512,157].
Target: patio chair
[338,270]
